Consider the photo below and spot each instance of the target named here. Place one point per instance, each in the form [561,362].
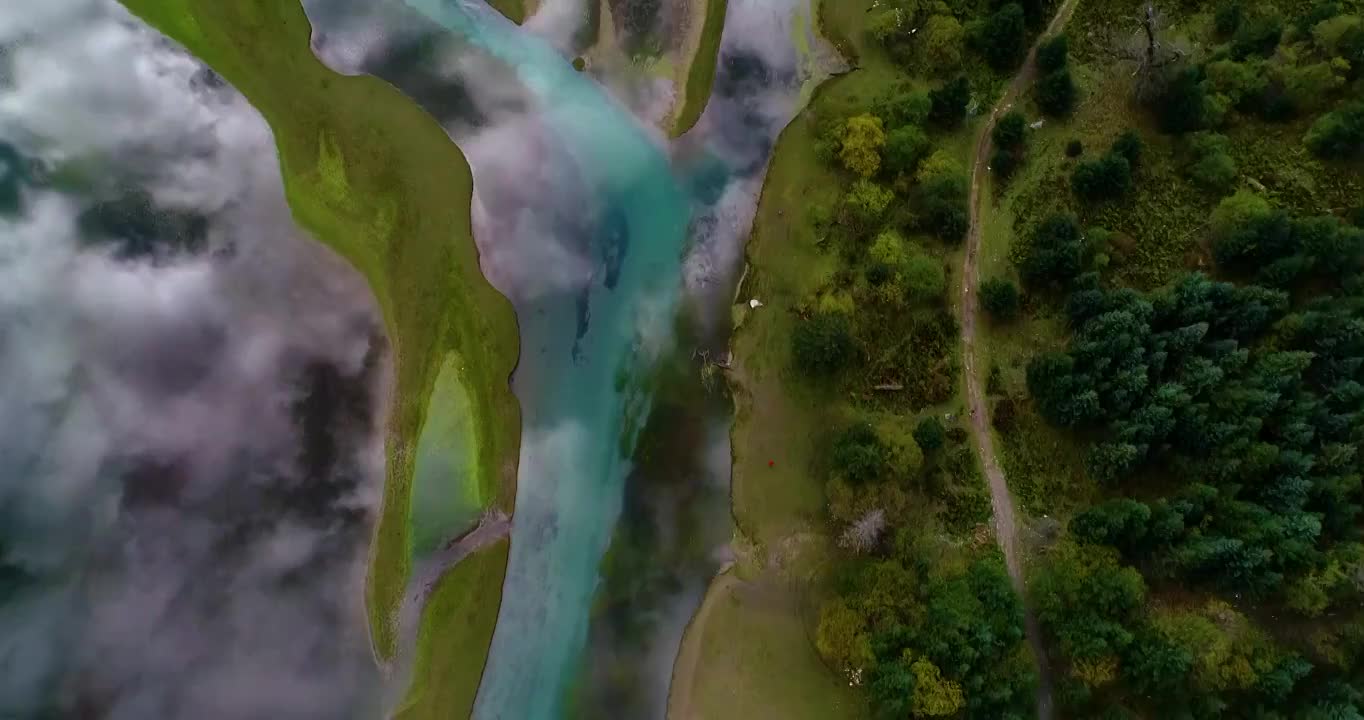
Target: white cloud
[189,459]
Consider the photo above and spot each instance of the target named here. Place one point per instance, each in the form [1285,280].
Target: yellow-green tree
[842,637]
[863,138]
[934,695]
[941,42]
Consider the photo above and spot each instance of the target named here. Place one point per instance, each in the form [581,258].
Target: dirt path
[493,526]
[1006,531]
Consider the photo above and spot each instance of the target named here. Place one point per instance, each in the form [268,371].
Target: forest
[1176,340]
[1210,564]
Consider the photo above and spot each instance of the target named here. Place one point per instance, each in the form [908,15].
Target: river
[597,230]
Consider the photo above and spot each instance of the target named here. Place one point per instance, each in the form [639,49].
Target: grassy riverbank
[701,72]
[376,179]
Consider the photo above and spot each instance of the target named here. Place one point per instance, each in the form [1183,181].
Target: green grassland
[770,671]
[446,675]
[376,179]
[701,74]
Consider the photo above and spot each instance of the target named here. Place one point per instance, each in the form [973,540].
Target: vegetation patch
[701,73]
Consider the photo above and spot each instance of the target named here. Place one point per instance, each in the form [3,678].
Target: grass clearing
[375,178]
[701,74]
[774,673]
[464,607]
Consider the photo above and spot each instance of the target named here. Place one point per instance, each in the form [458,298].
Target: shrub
[1129,145]
[1242,83]
[949,102]
[863,138]
[822,344]
[1005,415]
[1056,93]
[941,202]
[1003,163]
[1000,298]
[1182,107]
[903,107]
[1228,17]
[906,147]
[1108,178]
[940,43]
[858,454]
[1053,54]
[930,434]
[1338,134]
[1258,35]
[1211,167]
[924,278]
[1010,131]
[1075,148]
[866,202]
[1311,87]
[1056,254]
[1002,37]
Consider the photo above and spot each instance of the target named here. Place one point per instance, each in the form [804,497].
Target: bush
[1129,145]
[1211,167]
[903,107]
[858,454]
[1075,149]
[863,138]
[940,43]
[1338,134]
[1010,131]
[1002,37]
[1056,93]
[948,103]
[1258,35]
[924,278]
[930,434]
[1003,163]
[1057,252]
[1108,178]
[942,203]
[822,344]
[866,202]
[1000,298]
[1182,107]
[1053,54]
[1228,17]
[905,148]
[1005,415]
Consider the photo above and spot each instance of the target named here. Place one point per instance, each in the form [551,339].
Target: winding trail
[1006,531]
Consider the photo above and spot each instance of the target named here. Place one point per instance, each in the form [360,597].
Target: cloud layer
[189,455]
